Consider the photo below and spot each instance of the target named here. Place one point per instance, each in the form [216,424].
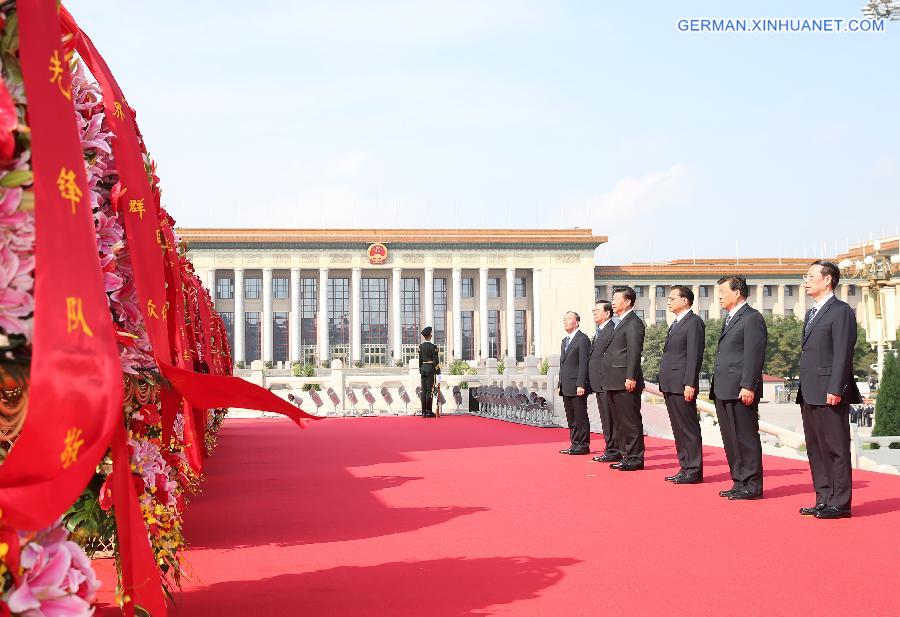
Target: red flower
[105,500]
[9,120]
[162,494]
[151,414]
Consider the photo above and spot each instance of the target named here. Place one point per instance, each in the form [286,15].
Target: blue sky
[517,114]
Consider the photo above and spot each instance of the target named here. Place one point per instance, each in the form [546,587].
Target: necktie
[566,348]
[727,319]
[809,317]
[672,327]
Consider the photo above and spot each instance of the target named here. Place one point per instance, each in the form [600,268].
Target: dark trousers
[686,430]
[827,430]
[739,425]
[609,429]
[626,414]
[577,419]
[427,394]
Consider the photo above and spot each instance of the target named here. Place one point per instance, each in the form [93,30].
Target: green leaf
[16,178]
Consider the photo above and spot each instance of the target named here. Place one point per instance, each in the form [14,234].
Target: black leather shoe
[812,511]
[688,478]
[744,496]
[579,452]
[607,458]
[429,415]
[566,451]
[677,476]
[630,466]
[832,512]
[728,493]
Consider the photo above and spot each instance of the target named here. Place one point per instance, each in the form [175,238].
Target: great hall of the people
[311,295]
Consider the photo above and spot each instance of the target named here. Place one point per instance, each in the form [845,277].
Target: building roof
[200,238]
[752,266]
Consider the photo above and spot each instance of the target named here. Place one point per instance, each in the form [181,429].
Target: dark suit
[826,367]
[680,367]
[598,345]
[621,360]
[428,363]
[739,363]
[573,374]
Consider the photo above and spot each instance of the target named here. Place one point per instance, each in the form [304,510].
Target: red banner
[141,213]
[75,407]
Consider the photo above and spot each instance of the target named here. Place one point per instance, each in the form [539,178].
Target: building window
[225,289]
[520,336]
[851,290]
[767,312]
[467,320]
[789,290]
[521,287]
[704,291]
[308,308]
[704,315]
[228,322]
[493,334]
[660,315]
[280,288]
[339,311]
[640,291]
[373,312]
[639,313]
[252,337]
[598,291]
[468,287]
[493,287]
[280,336]
[661,291]
[252,288]
[767,290]
[409,310]
[440,312]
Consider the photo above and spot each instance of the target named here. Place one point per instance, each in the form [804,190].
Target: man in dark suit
[428,368]
[679,380]
[605,328]
[573,382]
[622,379]
[827,389]
[737,387]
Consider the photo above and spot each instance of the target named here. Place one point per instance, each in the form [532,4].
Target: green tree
[654,341]
[887,407]
[863,355]
[783,350]
[713,330]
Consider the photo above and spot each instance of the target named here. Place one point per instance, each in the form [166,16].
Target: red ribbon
[75,407]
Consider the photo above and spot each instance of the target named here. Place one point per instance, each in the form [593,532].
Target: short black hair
[829,269]
[685,292]
[577,316]
[737,283]
[605,306]
[627,292]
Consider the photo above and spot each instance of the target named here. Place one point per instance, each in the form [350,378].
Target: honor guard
[428,367]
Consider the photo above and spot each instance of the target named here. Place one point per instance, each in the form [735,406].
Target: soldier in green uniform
[428,367]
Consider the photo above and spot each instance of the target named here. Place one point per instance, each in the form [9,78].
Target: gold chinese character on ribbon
[75,317]
[73,443]
[56,73]
[117,111]
[136,206]
[165,314]
[68,188]
[151,309]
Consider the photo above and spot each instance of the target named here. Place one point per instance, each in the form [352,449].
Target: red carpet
[466,516]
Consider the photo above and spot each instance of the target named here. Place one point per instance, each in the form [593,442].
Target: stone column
[536,311]
[322,317]
[651,318]
[760,297]
[457,314]
[483,342]
[844,292]
[355,319]
[211,283]
[396,318]
[238,351]
[266,326]
[696,306]
[294,325]
[780,309]
[510,312]
[715,311]
[800,304]
[429,298]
